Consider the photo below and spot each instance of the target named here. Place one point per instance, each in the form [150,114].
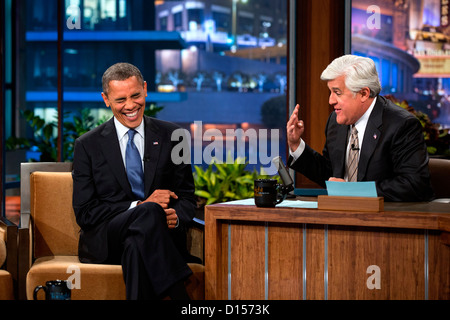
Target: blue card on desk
[352,189]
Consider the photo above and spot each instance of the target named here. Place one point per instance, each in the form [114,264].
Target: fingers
[294,129]
[336,179]
[172,218]
[162,197]
[294,116]
[294,122]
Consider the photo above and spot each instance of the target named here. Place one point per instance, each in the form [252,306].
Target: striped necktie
[353,156]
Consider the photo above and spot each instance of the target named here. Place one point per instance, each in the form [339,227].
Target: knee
[151,211]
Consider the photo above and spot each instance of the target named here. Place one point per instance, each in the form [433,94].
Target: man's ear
[365,94]
[105,99]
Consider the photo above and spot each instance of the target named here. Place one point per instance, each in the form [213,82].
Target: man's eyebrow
[123,98]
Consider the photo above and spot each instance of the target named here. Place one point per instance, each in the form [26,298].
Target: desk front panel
[275,260]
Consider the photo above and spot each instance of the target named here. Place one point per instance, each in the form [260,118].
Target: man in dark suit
[387,144]
[140,224]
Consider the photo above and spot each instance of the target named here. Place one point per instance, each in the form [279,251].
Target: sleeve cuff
[134,204]
[297,153]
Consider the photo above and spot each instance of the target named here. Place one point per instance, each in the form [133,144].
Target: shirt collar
[362,122]
[122,130]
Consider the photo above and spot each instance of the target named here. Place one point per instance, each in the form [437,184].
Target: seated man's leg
[150,261]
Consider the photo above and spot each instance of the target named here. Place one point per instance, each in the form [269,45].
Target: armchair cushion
[96,281]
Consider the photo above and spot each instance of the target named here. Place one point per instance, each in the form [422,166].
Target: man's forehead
[337,84]
[118,81]
[130,83]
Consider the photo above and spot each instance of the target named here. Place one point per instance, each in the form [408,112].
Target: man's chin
[131,123]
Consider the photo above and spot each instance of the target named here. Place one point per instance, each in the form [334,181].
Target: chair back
[55,231]
[440,177]
[26,168]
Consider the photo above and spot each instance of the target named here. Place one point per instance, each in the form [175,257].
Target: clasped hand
[163,197]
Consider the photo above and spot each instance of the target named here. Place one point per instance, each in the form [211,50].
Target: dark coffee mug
[267,193]
[54,290]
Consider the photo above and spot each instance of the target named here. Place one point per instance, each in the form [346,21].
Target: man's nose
[332,99]
[129,104]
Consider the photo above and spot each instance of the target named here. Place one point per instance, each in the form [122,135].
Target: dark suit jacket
[393,154]
[101,189]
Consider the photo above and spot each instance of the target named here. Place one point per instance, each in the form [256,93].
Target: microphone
[354,148]
[146,158]
[288,183]
[282,171]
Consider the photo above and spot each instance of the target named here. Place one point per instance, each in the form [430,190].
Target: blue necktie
[134,167]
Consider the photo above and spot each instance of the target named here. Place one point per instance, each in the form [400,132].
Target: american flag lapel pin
[375,136]
[155,143]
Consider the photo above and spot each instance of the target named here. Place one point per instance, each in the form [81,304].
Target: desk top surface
[422,215]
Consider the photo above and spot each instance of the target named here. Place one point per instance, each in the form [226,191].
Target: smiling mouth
[131,115]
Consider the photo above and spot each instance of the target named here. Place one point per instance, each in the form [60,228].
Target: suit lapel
[111,150]
[371,137]
[151,153]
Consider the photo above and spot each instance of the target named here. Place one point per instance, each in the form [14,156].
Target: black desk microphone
[288,183]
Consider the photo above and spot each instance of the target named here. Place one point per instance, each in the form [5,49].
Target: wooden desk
[286,253]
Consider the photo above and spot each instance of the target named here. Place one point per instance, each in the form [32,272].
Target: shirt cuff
[134,204]
[297,153]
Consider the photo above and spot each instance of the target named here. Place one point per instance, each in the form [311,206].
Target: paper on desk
[352,189]
[285,203]
[298,204]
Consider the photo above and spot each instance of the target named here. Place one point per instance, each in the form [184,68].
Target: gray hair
[359,73]
[120,71]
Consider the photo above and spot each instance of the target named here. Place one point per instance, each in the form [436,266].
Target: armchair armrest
[8,234]
[24,253]
[9,231]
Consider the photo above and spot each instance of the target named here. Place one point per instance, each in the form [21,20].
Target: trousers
[140,241]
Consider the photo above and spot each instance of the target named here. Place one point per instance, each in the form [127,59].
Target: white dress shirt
[122,136]
[139,141]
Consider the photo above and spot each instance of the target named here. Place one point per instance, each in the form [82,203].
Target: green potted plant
[222,182]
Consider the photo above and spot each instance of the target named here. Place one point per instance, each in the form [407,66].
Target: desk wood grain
[286,253]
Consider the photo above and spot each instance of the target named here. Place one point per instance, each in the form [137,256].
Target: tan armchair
[53,245]
[8,259]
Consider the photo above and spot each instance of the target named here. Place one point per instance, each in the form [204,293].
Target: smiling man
[130,200]
[368,138]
